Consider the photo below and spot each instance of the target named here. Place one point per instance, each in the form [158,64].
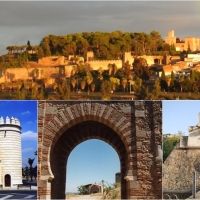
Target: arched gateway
[132,128]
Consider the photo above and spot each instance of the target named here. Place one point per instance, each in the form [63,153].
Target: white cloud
[26,113]
[27,150]
[29,135]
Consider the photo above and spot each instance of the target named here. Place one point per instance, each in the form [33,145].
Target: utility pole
[194,185]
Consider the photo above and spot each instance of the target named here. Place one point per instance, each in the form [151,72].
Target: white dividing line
[30,196]
[6,197]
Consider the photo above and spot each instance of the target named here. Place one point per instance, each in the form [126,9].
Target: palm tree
[110,67]
[73,82]
[30,162]
[114,69]
[8,48]
[100,70]
[88,79]
[92,87]
[74,70]
[83,83]
[124,83]
[55,86]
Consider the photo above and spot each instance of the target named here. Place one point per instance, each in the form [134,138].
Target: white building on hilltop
[10,153]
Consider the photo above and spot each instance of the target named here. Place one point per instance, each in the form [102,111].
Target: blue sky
[179,115]
[91,161]
[26,112]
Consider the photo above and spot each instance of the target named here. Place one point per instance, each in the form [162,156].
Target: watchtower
[10,152]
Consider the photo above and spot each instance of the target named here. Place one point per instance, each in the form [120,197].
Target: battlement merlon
[8,120]
[195,130]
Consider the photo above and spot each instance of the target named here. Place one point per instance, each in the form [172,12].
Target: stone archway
[133,129]
[74,136]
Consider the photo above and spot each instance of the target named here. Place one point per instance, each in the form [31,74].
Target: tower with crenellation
[10,153]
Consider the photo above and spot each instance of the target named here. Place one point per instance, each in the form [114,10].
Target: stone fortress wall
[10,152]
[49,72]
[183,161]
[58,66]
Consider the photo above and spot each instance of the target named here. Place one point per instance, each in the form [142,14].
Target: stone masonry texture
[178,169]
[132,128]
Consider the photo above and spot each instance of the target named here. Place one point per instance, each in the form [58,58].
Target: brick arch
[74,136]
[137,124]
[85,112]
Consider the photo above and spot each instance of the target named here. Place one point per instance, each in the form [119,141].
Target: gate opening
[91,162]
[74,136]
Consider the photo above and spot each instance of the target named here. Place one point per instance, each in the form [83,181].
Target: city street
[18,194]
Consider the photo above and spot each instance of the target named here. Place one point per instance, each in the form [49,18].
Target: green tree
[163,81]
[192,76]
[141,69]
[169,143]
[73,82]
[64,91]
[30,162]
[106,88]
[46,47]
[82,189]
[110,67]
[40,53]
[89,80]
[83,84]
[92,87]
[157,90]
[124,83]
[114,82]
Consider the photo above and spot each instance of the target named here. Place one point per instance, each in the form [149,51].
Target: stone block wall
[52,61]
[14,74]
[178,169]
[96,64]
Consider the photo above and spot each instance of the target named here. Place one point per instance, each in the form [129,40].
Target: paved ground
[197,196]
[18,194]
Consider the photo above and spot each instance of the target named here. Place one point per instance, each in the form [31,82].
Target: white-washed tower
[10,152]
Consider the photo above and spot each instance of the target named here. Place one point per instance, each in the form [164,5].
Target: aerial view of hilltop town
[103,65]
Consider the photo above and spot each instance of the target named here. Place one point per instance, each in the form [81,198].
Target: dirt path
[83,197]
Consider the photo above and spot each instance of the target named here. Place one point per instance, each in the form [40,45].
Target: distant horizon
[98,161]
[61,35]
[20,24]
